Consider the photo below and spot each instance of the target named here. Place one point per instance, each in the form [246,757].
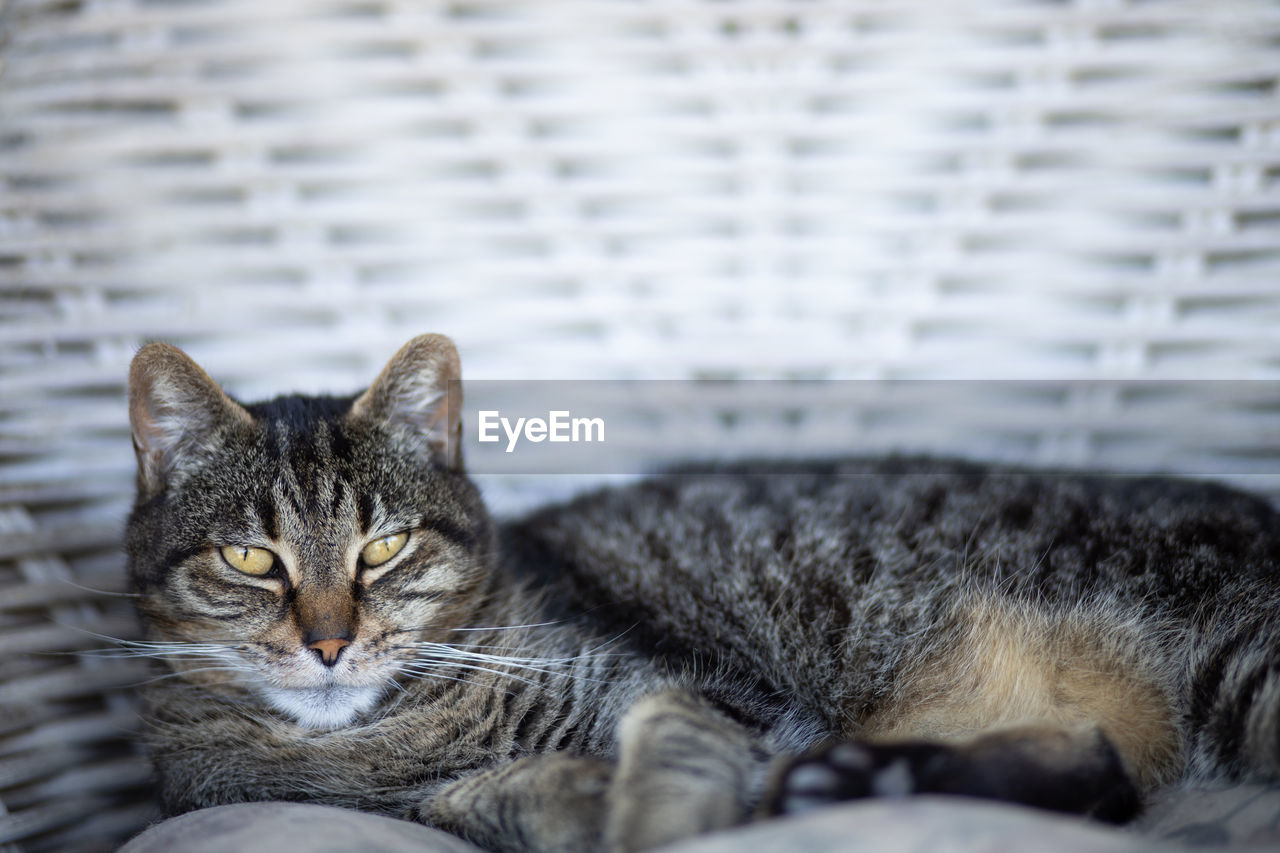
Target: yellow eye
[251,561]
[379,551]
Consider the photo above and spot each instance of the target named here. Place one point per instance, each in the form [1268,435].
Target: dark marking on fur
[339,496]
[364,511]
[266,509]
[454,532]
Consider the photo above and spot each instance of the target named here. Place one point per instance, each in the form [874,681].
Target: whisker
[163,645]
[512,627]
[192,657]
[478,627]
[445,650]
[473,653]
[154,649]
[532,666]
[417,668]
[435,665]
[99,591]
[538,665]
[163,676]
[463,651]
[458,679]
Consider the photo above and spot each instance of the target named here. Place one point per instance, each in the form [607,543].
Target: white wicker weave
[855,189]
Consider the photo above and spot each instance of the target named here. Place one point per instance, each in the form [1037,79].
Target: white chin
[322,707]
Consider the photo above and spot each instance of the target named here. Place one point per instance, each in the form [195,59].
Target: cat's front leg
[684,768]
[552,803]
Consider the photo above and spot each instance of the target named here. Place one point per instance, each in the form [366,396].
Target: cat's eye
[251,561]
[379,551]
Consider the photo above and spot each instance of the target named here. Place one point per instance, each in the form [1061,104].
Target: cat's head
[298,548]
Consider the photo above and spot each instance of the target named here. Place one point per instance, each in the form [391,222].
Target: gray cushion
[1241,818]
[285,827]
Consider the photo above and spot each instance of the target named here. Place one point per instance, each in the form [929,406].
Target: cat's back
[800,571]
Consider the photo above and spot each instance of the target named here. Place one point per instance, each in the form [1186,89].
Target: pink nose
[329,649]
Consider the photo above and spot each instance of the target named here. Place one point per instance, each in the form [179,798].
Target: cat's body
[832,581]
[641,664]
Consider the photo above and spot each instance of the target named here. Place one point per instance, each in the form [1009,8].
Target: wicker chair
[856,189]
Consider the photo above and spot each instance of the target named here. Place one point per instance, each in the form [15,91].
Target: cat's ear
[421,388]
[174,408]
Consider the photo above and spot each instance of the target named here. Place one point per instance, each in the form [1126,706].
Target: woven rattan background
[596,189]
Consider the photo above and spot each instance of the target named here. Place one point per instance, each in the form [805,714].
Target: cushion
[1239,818]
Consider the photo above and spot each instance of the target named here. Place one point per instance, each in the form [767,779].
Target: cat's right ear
[174,407]
[421,388]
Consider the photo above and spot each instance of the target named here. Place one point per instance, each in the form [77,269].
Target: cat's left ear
[175,409]
[421,388]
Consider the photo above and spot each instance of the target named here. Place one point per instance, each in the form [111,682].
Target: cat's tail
[1233,714]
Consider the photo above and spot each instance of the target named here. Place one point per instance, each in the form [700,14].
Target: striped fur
[647,663]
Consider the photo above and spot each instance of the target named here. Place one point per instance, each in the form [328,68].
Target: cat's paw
[553,802]
[1077,772]
[852,770]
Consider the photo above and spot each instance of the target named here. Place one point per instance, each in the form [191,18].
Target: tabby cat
[340,622]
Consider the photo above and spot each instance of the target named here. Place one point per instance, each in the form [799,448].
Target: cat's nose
[329,649]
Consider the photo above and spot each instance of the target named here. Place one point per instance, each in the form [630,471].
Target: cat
[338,620]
